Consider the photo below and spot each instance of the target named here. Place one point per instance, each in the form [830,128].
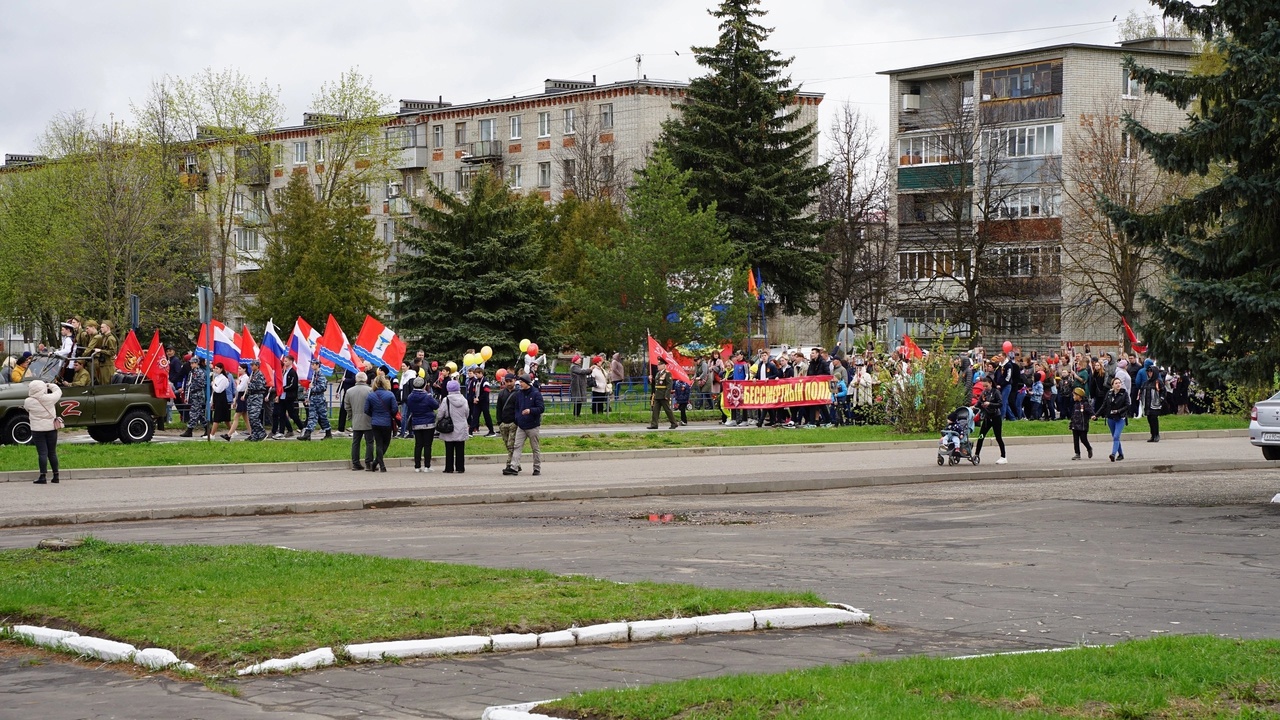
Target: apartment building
[986,189]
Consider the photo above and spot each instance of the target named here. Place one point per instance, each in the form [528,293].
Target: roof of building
[1126,49]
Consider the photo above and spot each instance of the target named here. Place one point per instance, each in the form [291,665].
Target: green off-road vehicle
[127,411]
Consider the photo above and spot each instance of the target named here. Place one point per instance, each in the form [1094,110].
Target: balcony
[412,158]
[398,206]
[483,151]
[194,181]
[253,217]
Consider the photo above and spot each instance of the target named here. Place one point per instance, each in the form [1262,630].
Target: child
[1036,396]
[958,427]
[682,390]
[1081,412]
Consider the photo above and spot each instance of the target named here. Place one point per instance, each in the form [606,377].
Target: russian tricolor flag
[302,343]
[380,345]
[269,354]
[224,349]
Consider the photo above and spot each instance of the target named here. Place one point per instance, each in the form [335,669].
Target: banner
[270,353]
[155,366]
[657,352]
[770,394]
[380,345]
[302,342]
[129,357]
[225,348]
[334,348]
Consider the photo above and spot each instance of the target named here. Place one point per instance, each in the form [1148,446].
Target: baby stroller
[955,445]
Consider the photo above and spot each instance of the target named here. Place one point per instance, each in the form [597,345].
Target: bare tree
[1106,272]
[853,203]
[354,115]
[588,167]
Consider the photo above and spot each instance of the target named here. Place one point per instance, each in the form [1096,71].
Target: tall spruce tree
[1219,312]
[737,132]
[474,277]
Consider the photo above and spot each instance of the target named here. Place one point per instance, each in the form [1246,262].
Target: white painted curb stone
[306,661]
[654,629]
[788,618]
[559,638]
[726,623]
[515,641]
[461,644]
[108,650]
[515,712]
[47,637]
[602,634]
[1276,498]
[156,658]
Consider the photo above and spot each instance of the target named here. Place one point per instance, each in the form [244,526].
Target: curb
[97,648]
[572,456]
[764,483]
[835,614]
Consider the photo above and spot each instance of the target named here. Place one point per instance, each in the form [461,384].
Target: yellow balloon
[524,345]
[486,352]
[453,366]
[470,359]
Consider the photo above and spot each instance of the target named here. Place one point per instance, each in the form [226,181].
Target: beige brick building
[988,152]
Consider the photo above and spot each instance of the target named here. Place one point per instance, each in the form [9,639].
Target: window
[1035,141]
[246,240]
[367,192]
[515,127]
[513,177]
[923,265]
[300,153]
[1129,87]
[363,146]
[544,124]
[1128,149]
[437,136]
[570,117]
[570,172]
[1027,262]
[1022,81]
[277,155]
[402,137]
[438,179]
[544,174]
[319,149]
[410,184]
[459,134]
[606,116]
[488,130]
[462,179]
[606,168]
[930,150]
[238,202]
[260,200]
[1030,203]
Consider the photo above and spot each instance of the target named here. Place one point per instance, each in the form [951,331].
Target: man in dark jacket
[287,407]
[529,409]
[507,414]
[348,382]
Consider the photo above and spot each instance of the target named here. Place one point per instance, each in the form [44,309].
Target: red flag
[248,348]
[129,359]
[156,368]
[913,350]
[1133,339]
[657,352]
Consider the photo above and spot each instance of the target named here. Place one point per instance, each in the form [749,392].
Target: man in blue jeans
[1004,381]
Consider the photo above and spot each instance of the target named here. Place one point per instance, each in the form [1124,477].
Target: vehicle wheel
[1271,453]
[939,460]
[136,427]
[976,459]
[17,431]
[104,433]
[954,460]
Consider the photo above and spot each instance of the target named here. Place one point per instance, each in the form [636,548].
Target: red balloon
[1008,346]
[502,373]
[533,350]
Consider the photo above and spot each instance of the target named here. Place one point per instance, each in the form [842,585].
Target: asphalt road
[943,568]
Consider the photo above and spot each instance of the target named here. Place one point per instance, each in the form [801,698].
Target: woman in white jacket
[42,410]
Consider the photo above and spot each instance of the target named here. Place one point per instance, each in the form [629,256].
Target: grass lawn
[229,605]
[219,452]
[1167,677]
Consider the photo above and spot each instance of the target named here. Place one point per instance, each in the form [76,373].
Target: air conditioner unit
[910,103]
[393,190]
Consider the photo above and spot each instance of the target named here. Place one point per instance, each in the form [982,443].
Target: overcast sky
[98,55]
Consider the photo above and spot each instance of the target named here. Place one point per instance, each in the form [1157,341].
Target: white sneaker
[1001,461]
[417,470]
[427,470]
[731,423]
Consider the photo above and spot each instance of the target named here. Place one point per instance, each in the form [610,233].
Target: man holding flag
[663,385]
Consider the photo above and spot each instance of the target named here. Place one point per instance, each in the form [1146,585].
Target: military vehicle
[125,409]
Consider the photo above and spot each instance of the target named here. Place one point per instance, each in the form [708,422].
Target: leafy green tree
[1219,310]
[574,228]
[474,275]
[664,271]
[738,133]
[318,259]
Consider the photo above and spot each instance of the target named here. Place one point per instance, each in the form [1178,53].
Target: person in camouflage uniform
[195,399]
[317,402]
[254,397]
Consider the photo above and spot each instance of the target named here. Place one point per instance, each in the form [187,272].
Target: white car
[1264,427]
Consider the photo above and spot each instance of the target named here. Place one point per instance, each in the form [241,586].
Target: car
[126,409]
[1264,426]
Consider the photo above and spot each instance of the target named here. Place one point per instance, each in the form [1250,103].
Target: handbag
[59,423]
[444,420]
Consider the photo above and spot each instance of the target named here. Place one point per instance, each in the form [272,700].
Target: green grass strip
[230,605]
[219,452]
[1166,677]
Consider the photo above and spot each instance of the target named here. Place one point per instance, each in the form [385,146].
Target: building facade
[999,161]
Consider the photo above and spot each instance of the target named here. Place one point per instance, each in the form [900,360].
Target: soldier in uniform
[195,399]
[254,396]
[92,344]
[317,402]
[662,390]
[107,357]
[81,377]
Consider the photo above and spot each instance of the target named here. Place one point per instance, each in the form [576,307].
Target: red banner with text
[770,394]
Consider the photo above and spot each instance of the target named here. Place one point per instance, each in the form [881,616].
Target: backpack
[444,420]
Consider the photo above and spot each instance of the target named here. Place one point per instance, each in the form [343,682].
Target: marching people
[507,413]
[660,401]
[318,402]
[223,391]
[255,394]
[286,409]
[422,405]
[1115,408]
[41,405]
[529,409]
[195,397]
[381,407]
[454,407]
[241,402]
[348,382]
[353,402]
[992,404]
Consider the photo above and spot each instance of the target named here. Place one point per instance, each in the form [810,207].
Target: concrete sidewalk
[239,490]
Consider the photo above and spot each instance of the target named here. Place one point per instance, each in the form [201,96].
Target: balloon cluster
[472,359]
[529,348]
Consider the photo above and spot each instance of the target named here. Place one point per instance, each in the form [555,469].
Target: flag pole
[147,369]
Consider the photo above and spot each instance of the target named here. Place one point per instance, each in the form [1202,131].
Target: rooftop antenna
[639,58]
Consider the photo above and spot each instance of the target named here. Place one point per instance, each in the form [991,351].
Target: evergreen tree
[473,277]
[737,133]
[319,259]
[1219,313]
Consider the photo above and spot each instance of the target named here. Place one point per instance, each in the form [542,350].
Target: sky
[100,57]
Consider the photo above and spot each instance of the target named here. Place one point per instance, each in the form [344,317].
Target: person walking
[1081,412]
[241,408]
[422,408]
[1150,383]
[381,406]
[318,402]
[507,413]
[41,405]
[1115,408]
[663,387]
[991,402]
[353,401]
[529,409]
[195,387]
[454,434]
[255,396]
[223,391]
